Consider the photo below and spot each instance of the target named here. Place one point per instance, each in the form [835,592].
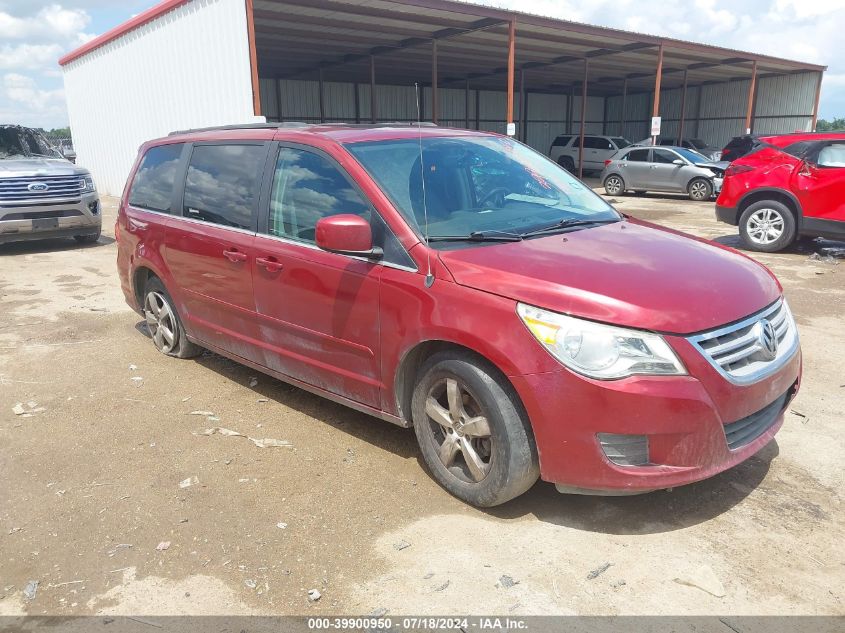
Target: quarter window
[222,184]
[152,187]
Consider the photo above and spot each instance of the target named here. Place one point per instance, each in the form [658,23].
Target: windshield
[21,141]
[477,185]
[621,142]
[697,143]
[692,156]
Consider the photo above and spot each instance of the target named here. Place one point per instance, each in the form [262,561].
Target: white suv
[597,149]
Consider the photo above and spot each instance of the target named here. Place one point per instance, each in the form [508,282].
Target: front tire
[472,430]
[163,322]
[767,226]
[700,190]
[567,163]
[614,185]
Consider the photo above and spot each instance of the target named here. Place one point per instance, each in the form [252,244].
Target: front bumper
[47,219]
[686,419]
[727,215]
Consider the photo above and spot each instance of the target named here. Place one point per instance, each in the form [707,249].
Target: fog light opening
[625,450]
[94,207]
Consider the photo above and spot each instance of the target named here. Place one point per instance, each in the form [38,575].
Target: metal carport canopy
[301,39]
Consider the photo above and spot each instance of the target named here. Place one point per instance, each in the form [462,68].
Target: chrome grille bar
[738,351]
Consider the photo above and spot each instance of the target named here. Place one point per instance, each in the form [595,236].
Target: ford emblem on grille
[38,186]
[768,339]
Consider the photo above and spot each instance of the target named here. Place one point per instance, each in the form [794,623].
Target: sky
[33,35]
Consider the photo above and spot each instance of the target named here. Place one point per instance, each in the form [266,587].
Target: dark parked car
[696,145]
[463,284]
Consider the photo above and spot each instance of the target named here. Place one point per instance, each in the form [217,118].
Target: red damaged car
[463,284]
[788,186]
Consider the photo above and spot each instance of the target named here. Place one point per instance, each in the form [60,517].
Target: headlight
[600,351]
[87,184]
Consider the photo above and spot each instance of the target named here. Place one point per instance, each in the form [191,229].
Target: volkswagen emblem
[37,186]
[767,339]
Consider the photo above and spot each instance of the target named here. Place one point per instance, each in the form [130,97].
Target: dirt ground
[113,499]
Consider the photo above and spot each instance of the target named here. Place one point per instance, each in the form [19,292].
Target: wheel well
[409,367]
[139,282]
[692,180]
[759,196]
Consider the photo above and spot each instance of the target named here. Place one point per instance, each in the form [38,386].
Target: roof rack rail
[299,125]
[242,126]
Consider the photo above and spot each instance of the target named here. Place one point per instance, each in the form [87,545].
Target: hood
[37,166]
[630,273]
[718,167]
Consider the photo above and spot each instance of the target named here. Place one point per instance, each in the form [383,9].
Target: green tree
[823,125]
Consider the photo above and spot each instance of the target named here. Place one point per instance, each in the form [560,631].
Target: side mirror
[678,161]
[346,234]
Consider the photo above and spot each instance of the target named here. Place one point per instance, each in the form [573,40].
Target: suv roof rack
[297,125]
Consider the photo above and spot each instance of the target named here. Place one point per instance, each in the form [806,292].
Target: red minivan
[463,284]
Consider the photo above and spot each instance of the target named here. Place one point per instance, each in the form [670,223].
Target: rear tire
[614,185]
[700,190]
[472,430]
[163,322]
[767,226]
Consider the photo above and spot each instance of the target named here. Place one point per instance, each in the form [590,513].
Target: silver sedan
[669,169]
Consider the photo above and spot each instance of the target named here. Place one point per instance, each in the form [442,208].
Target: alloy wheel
[613,185]
[765,226]
[161,321]
[461,430]
[698,190]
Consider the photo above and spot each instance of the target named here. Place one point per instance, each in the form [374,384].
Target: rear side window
[832,155]
[595,142]
[561,141]
[797,149]
[638,155]
[222,184]
[152,188]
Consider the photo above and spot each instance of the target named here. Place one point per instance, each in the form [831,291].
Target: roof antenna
[429,278]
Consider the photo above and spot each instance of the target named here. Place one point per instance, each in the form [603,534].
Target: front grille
[748,429]
[21,188]
[40,215]
[739,351]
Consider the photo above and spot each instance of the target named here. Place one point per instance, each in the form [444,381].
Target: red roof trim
[139,20]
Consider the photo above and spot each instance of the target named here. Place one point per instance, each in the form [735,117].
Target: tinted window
[638,155]
[595,142]
[153,185]
[561,141]
[664,156]
[621,142]
[222,184]
[307,187]
[797,149]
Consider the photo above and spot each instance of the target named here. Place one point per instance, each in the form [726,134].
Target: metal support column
[466,104]
[373,112]
[655,110]
[624,105]
[751,88]
[816,104]
[511,64]
[523,107]
[435,99]
[683,108]
[322,98]
[583,118]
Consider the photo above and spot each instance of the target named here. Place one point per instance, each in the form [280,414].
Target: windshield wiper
[478,236]
[565,224]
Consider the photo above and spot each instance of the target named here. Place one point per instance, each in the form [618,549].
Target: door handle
[235,256]
[270,263]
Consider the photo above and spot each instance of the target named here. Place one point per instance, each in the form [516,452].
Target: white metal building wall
[716,112]
[187,68]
